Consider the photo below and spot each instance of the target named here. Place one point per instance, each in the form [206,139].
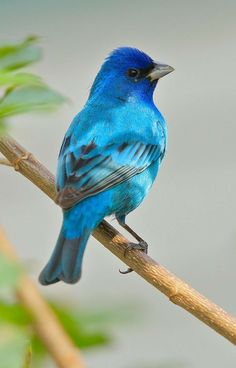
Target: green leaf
[14,343]
[18,55]
[81,336]
[14,314]
[23,92]
[9,78]
[29,99]
[100,317]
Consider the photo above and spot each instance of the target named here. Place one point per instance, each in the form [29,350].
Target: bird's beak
[159,71]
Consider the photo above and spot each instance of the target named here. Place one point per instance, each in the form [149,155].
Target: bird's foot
[142,245]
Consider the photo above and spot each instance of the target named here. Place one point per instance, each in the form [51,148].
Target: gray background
[189,217]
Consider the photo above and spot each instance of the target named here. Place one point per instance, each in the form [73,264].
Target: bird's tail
[65,262]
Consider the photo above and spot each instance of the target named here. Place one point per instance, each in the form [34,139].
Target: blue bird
[109,157]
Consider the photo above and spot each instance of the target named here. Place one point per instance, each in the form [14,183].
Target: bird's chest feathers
[129,123]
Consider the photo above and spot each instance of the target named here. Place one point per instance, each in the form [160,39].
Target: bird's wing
[87,170]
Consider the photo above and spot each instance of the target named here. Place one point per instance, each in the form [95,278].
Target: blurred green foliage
[86,328]
[14,343]
[22,92]
[9,274]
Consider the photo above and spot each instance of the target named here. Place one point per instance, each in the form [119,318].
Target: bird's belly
[128,195]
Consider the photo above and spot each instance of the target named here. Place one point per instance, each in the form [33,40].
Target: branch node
[15,163]
[174,292]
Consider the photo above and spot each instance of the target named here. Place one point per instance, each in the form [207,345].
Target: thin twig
[175,289]
[45,322]
[4,161]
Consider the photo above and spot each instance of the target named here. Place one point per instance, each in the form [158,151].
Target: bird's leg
[141,245]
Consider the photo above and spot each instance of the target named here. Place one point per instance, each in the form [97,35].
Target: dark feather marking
[152,151]
[83,162]
[56,262]
[127,173]
[122,147]
[64,169]
[67,197]
[85,149]
[108,146]
[145,71]
[73,178]
[101,163]
[147,149]
[140,147]
[84,187]
[75,248]
[65,144]
[73,160]
[163,154]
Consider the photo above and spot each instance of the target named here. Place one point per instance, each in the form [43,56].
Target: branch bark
[176,290]
[45,322]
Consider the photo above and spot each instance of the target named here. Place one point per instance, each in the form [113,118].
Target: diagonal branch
[175,289]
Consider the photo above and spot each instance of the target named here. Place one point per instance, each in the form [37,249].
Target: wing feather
[99,168]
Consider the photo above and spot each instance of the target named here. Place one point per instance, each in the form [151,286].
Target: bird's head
[128,73]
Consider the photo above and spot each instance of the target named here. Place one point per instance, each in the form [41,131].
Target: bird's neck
[106,99]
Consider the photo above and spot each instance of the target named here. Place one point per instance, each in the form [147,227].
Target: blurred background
[189,217]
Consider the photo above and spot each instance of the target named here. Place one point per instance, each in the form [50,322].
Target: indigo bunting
[109,157]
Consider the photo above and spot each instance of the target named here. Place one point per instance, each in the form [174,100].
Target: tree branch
[45,322]
[175,289]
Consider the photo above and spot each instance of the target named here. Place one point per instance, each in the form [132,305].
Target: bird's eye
[133,73]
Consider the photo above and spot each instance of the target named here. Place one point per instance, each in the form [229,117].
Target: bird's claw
[127,271]
[142,245]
